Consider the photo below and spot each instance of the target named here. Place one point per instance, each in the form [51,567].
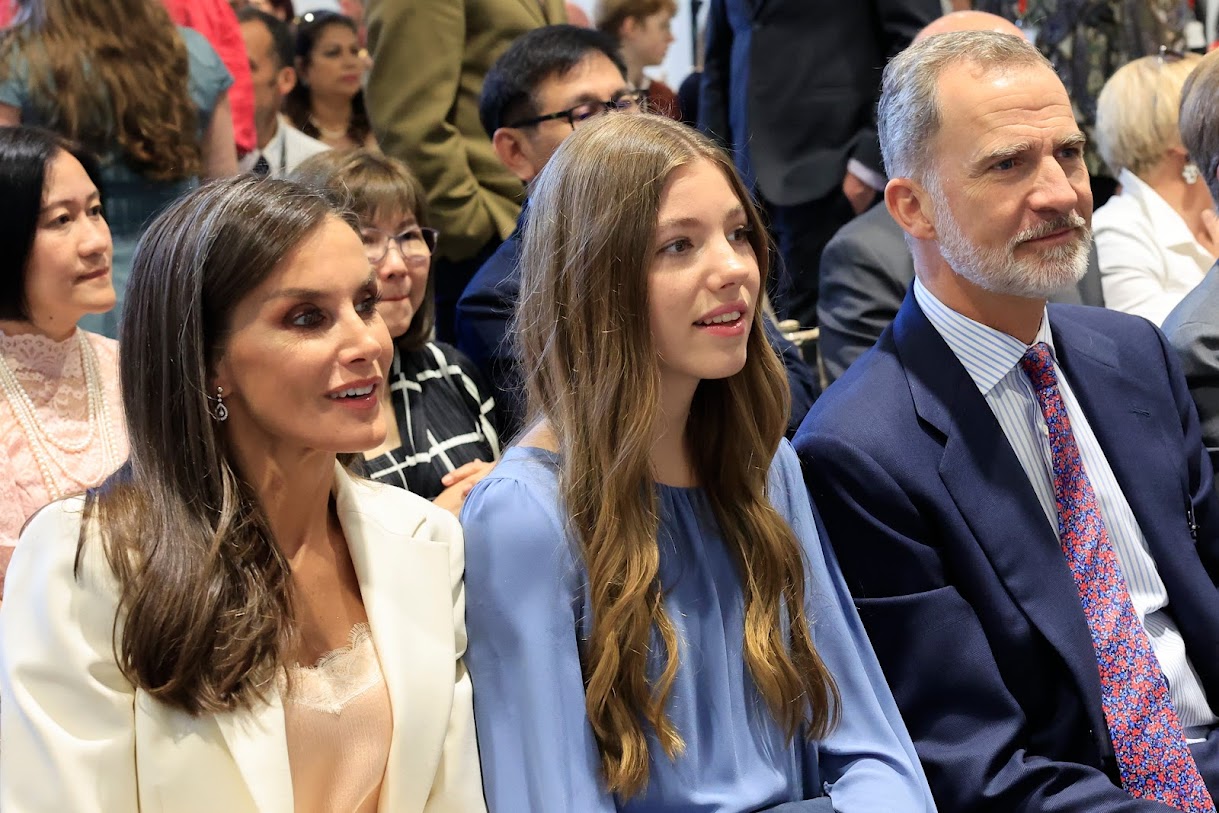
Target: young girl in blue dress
[655,623]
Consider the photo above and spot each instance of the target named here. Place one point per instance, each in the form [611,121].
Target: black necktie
[261,167]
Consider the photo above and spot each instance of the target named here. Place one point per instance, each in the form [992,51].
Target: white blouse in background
[1149,258]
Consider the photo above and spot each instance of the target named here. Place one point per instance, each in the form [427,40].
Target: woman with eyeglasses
[443,439]
[327,102]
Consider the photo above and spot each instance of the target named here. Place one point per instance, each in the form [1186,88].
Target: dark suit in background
[961,581]
[865,272]
[1193,329]
[791,87]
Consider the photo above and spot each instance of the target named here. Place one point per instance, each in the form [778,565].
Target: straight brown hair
[205,607]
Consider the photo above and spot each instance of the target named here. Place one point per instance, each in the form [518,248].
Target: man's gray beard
[1000,271]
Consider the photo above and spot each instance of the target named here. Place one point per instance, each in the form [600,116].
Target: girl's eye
[95,210]
[740,234]
[679,246]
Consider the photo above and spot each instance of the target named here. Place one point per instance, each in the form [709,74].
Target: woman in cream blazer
[97,721]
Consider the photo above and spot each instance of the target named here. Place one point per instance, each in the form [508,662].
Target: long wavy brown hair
[205,606]
[593,376]
[110,71]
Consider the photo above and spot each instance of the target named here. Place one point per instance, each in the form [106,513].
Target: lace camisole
[61,421]
[339,727]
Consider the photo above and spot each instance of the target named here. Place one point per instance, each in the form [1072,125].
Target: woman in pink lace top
[61,423]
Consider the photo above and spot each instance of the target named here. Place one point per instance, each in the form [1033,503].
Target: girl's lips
[734,328]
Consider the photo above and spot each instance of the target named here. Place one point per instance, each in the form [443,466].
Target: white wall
[680,60]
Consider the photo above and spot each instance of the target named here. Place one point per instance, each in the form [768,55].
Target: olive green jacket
[429,61]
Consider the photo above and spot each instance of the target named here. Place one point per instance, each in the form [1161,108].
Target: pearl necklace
[38,436]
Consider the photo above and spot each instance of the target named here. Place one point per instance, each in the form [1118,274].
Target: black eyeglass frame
[635,98]
[429,236]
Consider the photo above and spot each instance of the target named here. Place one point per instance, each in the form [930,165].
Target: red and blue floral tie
[1152,756]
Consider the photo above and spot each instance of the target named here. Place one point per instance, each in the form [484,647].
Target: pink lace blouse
[56,440]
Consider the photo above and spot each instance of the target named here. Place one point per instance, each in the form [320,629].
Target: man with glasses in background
[544,86]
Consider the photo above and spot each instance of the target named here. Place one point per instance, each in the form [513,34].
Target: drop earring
[1190,173]
[220,412]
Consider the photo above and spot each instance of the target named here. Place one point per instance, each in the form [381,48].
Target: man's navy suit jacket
[959,577]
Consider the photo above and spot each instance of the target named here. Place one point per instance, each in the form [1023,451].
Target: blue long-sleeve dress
[527,616]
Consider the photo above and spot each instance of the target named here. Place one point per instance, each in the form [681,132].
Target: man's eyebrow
[1004,153]
[1076,139]
[583,98]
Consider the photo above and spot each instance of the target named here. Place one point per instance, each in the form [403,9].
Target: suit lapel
[1119,412]
[258,742]
[993,494]
[406,587]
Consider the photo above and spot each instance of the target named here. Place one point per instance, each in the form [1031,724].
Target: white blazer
[76,736]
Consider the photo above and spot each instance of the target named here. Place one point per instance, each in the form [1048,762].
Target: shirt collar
[1168,226]
[988,355]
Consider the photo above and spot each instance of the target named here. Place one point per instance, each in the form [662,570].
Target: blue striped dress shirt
[992,360]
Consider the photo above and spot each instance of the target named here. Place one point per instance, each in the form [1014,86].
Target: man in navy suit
[1006,482]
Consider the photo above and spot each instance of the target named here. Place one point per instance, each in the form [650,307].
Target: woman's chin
[397,316]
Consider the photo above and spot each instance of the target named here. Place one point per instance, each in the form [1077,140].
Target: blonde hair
[609,15]
[592,374]
[1137,112]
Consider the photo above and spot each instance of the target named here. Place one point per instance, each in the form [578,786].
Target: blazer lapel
[407,591]
[993,494]
[258,742]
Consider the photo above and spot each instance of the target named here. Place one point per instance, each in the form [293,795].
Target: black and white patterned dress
[445,417]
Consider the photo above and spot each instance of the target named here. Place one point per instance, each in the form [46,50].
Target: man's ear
[510,147]
[909,202]
[285,80]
